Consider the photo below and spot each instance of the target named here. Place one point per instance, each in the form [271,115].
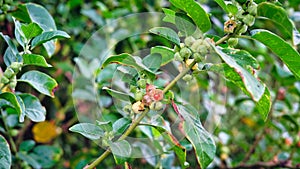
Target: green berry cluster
[247,12]
[9,75]
[192,48]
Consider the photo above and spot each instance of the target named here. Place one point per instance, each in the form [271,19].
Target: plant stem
[179,76]
[11,140]
[140,118]
[127,132]
[223,39]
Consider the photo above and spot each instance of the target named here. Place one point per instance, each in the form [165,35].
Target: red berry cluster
[152,95]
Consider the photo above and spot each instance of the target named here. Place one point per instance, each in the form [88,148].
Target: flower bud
[249,20]
[16,66]
[187,77]
[233,41]
[189,41]
[13,83]
[138,95]
[252,9]
[178,57]
[197,57]
[142,83]
[9,73]
[4,80]
[185,52]
[243,29]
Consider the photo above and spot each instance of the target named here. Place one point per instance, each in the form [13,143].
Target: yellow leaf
[44,132]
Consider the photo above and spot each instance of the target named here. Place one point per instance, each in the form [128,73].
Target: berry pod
[249,20]
[157,106]
[189,41]
[178,57]
[185,52]
[9,73]
[187,78]
[16,66]
[142,83]
[233,42]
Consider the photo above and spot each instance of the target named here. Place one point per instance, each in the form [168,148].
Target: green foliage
[195,91]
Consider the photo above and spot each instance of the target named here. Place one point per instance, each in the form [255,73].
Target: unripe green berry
[13,83]
[233,41]
[138,95]
[181,45]
[157,106]
[185,52]
[4,80]
[239,14]
[252,9]
[189,41]
[142,83]
[133,88]
[187,77]
[9,73]
[249,20]
[197,57]
[5,7]
[13,132]
[16,66]
[243,29]
[178,57]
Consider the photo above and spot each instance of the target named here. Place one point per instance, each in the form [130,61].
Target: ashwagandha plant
[34,33]
[149,93]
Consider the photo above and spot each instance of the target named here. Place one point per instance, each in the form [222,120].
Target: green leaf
[242,57]
[47,36]
[47,156]
[5,154]
[185,24]
[281,48]
[179,150]
[26,145]
[88,130]
[222,4]
[170,15]
[166,53]
[41,16]
[21,13]
[195,11]
[167,33]
[253,86]
[20,37]
[201,140]
[263,105]
[12,99]
[152,61]
[121,125]
[34,59]
[33,108]
[278,15]
[13,53]
[40,81]
[119,95]
[27,158]
[31,30]
[120,149]
[128,60]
